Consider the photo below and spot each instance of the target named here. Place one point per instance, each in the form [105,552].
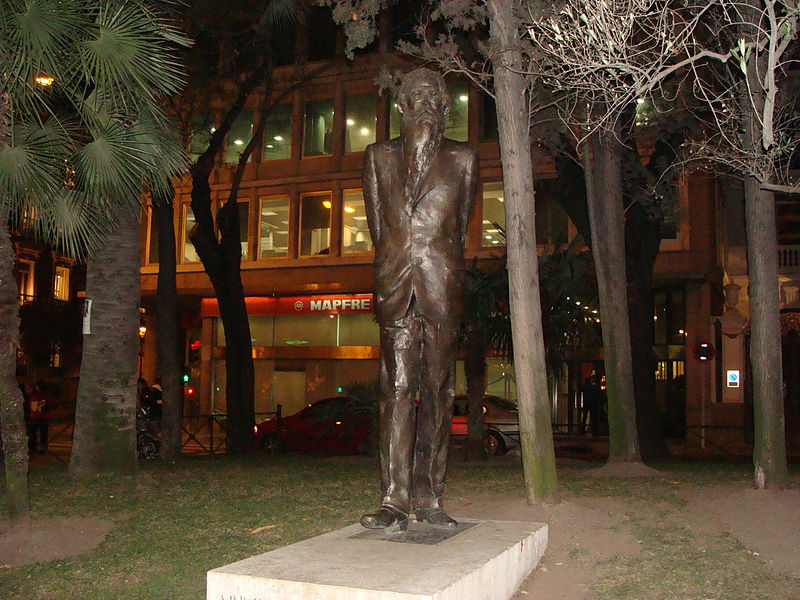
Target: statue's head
[423,98]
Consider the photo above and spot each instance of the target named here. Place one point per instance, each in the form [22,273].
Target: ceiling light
[278,138]
[238,142]
[349,209]
[326,203]
[364,131]
[463,97]
[351,122]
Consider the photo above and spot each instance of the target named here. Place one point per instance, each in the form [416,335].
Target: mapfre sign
[297,305]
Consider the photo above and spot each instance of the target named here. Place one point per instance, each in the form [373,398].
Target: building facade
[307,256]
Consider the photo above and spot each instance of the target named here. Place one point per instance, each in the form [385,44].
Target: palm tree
[82,135]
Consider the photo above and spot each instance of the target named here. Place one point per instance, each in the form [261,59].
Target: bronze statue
[418,192]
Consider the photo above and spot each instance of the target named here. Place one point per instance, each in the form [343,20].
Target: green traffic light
[185,378]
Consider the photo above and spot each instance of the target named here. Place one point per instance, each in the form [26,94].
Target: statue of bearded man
[418,191]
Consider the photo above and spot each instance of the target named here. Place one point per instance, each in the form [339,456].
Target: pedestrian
[591,406]
[40,403]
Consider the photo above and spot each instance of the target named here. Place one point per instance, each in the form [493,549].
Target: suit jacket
[419,241]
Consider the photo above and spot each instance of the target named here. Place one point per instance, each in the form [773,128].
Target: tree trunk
[222,262]
[12,418]
[642,241]
[169,366]
[12,412]
[105,413]
[602,165]
[475,373]
[766,353]
[769,451]
[538,455]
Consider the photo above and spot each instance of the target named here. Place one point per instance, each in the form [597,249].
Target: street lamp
[142,333]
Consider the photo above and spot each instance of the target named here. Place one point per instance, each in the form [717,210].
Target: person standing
[418,193]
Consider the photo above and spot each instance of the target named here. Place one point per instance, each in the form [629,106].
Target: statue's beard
[423,136]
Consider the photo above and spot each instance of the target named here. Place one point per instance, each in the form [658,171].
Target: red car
[328,426]
[324,426]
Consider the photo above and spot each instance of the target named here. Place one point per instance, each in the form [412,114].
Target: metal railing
[789,257]
[201,434]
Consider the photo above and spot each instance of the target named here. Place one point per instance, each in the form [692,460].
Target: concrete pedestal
[481,560]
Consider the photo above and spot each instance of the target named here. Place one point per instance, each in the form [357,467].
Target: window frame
[289,226]
[66,273]
[342,252]
[332,97]
[299,225]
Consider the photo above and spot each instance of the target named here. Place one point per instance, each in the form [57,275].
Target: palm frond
[35,159]
[129,53]
[282,14]
[73,223]
[36,40]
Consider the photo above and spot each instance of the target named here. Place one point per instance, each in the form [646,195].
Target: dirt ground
[50,539]
[581,533]
[589,531]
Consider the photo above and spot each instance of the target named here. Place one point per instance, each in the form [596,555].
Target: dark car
[501,418]
[324,426]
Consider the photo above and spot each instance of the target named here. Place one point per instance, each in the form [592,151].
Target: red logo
[298,306]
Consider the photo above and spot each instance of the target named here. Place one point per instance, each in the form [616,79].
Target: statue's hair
[412,78]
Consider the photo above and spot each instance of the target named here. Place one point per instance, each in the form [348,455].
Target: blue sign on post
[733,378]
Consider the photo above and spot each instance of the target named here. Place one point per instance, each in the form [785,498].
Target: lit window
[202,128]
[355,233]
[360,121]
[152,238]
[274,227]
[25,284]
[494,216]
[456,126]
[189,253]
[278,133]
[315,224]
[244,226]
[239,136]
[61,283]
[318,127]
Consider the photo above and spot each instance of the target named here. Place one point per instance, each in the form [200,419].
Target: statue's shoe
[435,516]
[387,518]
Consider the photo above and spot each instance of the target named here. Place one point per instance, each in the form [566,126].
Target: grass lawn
[175,522]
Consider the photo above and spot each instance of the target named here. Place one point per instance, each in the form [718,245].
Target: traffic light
[194,353]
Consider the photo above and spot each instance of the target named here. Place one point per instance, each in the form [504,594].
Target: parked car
[314,429]
[501,418]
